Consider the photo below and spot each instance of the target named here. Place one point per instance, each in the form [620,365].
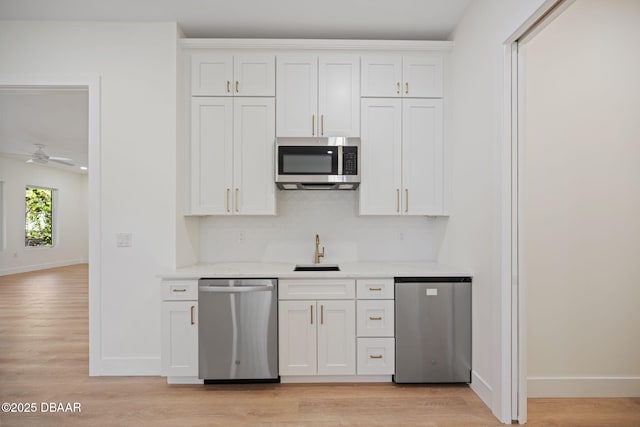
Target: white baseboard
[127,366]
[336,379]
[36,267]
[583,387]
[184,380]
[481,388]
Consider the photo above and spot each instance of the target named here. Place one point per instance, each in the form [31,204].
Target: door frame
[514,338]
[91,82]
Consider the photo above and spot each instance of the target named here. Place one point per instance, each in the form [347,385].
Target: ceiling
[58,118]
[333,19]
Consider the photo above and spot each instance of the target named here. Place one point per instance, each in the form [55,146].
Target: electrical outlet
[241,236]
[124,240]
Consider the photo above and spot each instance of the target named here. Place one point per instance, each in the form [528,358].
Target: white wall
[581,204]
[136,63]
[347,237]
[70,217]
[476,135]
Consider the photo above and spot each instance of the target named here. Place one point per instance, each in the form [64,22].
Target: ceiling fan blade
[59,160]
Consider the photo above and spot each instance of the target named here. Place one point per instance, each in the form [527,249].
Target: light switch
[123,240]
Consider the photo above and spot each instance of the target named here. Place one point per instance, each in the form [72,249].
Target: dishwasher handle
[234,289]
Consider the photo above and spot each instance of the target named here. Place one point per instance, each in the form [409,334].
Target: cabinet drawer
[375,318]
[178,290]
[376,356]
[374,288]
[316,289]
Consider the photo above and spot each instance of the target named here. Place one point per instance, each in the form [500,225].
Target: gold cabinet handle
[375,356]
[178,290]
[398,88]
[397,200]
[322,314]
[236,201]
[406,88]
[375,318]
[375,289]
[406,200]
[322,125]
[311,306]
[228,190]
[228,86]
[238,90]
[313,125]
[193,321]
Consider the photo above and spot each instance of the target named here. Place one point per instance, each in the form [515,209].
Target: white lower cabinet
[180,338]
[376,356]
[317,337]
[375,327]
[317,327]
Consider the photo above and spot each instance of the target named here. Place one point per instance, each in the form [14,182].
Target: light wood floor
[44,358]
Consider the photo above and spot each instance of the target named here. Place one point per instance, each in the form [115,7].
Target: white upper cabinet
[232,156]
[402,157]
[422,157]
[228,75]
[409,76]
[318,96]
[339,96]
[297,95]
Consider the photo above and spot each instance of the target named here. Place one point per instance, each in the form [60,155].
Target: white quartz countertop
[285,270]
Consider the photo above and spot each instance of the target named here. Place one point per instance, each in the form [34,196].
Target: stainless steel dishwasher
[433,330]
[238,330]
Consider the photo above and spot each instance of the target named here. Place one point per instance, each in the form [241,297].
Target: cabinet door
[297,337]
[422,157]
[297,95]
[180,338]
[381,75]
[339,95]
[253,169]
[211,75]
[422,76]
[381,156]
[254,75]
[336,338]
[211,155]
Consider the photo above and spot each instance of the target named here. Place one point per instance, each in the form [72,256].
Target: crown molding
[317,44]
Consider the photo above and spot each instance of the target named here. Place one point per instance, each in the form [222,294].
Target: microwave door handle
[340,160]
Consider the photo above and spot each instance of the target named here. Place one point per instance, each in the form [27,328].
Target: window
[38,217]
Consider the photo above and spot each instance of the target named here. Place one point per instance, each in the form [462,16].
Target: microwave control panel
[349,160]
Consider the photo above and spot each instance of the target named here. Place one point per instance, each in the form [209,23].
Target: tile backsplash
[347,237]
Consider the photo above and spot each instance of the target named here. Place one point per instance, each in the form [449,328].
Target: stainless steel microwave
[318,163]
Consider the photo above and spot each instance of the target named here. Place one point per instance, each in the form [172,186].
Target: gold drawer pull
[178,290]
[375,318]
[193,322]
[375,289]
[375,356]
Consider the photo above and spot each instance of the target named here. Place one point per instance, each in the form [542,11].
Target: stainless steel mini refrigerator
[433,330]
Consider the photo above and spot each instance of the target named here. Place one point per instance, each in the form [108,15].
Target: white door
[339,95]
[254,75]
[297,95]
[381,148]
[297,337]
[211,155]
[422,76]
[211,75]
[381,75]
[336,338]
[422,157]
[180,338]
[253,170]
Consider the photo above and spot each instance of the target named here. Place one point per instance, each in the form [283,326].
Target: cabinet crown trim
[318,44]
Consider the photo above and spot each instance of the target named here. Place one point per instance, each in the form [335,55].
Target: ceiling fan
[40,157]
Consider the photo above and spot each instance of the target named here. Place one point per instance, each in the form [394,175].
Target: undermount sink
[317,267]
